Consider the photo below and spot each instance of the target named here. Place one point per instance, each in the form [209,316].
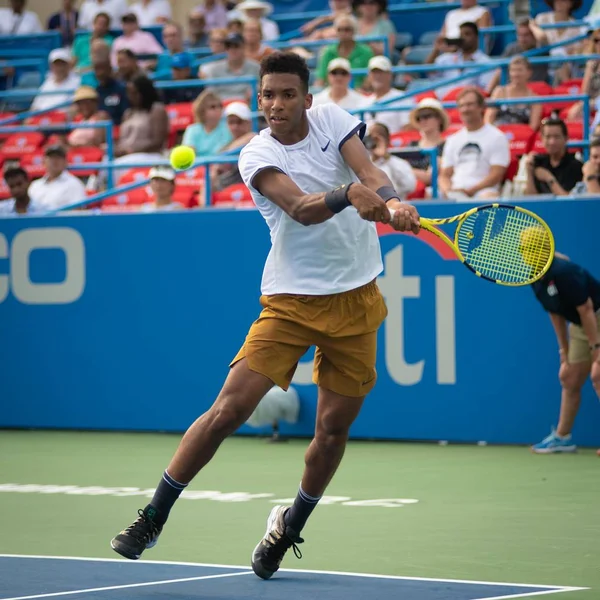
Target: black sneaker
[269,553]
[141,534]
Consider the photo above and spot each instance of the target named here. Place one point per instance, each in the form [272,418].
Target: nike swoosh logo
[326,146]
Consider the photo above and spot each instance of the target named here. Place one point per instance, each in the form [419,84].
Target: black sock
[166,494]
[299,512]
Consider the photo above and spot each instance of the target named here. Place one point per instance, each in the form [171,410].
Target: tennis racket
[508,245]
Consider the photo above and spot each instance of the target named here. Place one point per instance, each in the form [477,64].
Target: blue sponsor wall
[132,324]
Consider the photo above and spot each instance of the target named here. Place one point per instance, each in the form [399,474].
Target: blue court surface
[29,577]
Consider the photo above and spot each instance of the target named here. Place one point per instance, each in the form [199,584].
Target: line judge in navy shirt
[571,296]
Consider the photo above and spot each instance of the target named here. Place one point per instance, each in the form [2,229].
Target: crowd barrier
[129,322]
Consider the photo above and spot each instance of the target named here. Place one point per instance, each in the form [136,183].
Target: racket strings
[504,244]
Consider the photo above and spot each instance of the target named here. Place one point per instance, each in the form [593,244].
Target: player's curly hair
[285,62]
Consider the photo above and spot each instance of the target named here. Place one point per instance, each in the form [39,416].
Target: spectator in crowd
[234,25]
[60,78]
[239,122]
[217,40]
[469,12]
[591,169]
[18,21]
[339,90]
[145,127]
[591,78]
[380,81]
[162,185]
[181,70]
[357,54]
[65,21]
[111,93]
[558,171]
[519,74]
[197,35]
[57,187]
[115,9]
[475,158]
[127,65]
[20,203]
[173,38]
[86,102]
[151,12]
[525,41]
[338,8]
[373,20]
[100,52]
[134,39]
[468,52]
[398,170]
[235,65]
[259,10]
[82,47]
[431,120]
[209,132]
[253,36]
[215,14]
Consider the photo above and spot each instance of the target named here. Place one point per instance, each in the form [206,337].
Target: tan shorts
[343,327]
[579,345]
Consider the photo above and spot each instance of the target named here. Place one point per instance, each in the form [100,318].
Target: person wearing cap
[357,54]
[152,12]
[86,101]
[162,185]
[380,81]
[133,38]
[20,203]
[60,78]
[82,47]
[181,70]
[115,9]
[253,36]
[18,21]
[259,10]
[431,120]
[215,14]
[235,65]
[339,90]
[57,187]
[127,65]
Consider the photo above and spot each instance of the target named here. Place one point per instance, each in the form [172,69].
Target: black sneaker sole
[124,551]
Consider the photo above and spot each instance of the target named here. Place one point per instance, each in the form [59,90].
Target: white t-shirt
[148,14]
[338,255]
[400,173]
[394,121]
[51,195]
[472,153]
[352,99]
[69,85]
[7,207]
[115,9]
[455,18]
[24,24]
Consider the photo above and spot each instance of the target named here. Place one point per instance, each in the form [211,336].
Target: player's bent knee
[226,418]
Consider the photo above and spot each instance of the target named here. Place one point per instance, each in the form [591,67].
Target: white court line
[125,586]
[547,589]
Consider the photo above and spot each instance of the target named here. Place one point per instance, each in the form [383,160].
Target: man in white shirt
[475,158]
[115,9]
[380,79]
[17,180]
[152,12]
[58,187]
[60,79]
[339,90]
[18,21]
[318,288]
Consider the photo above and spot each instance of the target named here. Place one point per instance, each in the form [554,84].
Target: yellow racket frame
[431,225]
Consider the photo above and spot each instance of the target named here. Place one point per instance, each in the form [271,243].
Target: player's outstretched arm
[310,209]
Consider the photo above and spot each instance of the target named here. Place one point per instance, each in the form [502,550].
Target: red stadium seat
[79,156]
[423,95]
[34,164]
[452,128]
[19,145]
[192,179]
[419,193]
[541,88]
[237,195]
[403,138]
[520,138]
[575,129]
[185,196]
[7,115]
[132,175]
[54,117]
[132,198]
[180,116]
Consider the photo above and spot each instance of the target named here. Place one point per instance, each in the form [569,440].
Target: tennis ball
[182,157]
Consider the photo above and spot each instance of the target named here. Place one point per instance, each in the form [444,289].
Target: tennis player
[313,182]
[572,298]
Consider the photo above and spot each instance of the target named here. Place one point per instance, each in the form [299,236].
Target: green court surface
[455,512]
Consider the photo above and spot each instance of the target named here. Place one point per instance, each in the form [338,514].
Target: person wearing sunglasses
[339,90]
[357,54]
